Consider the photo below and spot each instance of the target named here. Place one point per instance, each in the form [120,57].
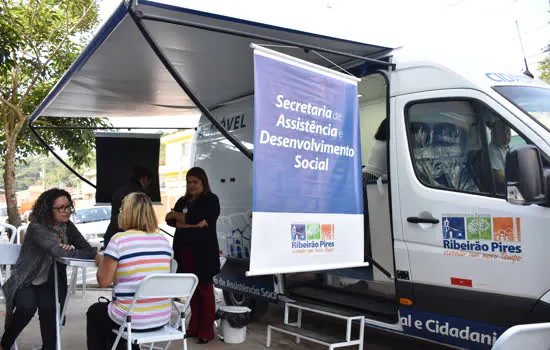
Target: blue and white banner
[308,201]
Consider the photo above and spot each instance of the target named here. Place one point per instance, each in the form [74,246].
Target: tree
[544,68]
[29,173]
[9,41]
[39,39]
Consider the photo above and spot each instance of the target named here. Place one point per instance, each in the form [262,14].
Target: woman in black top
[196,249]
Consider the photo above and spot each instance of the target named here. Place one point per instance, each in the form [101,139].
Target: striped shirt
[139,254]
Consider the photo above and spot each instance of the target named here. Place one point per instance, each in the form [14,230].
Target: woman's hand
[66,246]
[170,216]
[98,259]
[106,270]
[175,215]
[202,224]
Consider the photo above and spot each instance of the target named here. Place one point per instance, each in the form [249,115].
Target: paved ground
[73,336]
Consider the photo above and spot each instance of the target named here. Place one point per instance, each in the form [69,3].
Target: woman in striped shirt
[130,256]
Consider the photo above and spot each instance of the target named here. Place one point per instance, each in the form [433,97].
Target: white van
[459,256]
[458,252]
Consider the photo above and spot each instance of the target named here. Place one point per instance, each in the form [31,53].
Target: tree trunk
[9,182]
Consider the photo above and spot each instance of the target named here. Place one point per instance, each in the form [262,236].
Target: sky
[472,31]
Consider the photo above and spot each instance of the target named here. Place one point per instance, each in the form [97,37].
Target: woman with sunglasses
[50,234]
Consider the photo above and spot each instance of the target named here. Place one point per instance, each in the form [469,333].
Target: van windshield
[534,101]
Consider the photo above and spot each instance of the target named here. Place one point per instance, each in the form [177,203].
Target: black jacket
[203,241]
[116,203]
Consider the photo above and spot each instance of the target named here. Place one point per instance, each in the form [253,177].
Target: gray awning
[118,74]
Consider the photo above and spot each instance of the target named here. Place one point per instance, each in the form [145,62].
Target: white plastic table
[75,264]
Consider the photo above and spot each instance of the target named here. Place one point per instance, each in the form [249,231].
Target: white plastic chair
[8,257]
[14,232]
[9,253]
[160,286]
[174,267]
[18,233]
[529,336]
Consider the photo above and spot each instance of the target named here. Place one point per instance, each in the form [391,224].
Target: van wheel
[258,307]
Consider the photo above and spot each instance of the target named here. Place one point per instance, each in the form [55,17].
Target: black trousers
[99,329]
[27,301]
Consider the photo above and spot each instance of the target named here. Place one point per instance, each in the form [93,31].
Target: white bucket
[233,335]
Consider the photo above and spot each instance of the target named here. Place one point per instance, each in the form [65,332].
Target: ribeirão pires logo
[482,236]
[312,236]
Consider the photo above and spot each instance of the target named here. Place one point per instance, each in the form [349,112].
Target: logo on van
[503,230]
[454,228]
[482,236]
[230,123]
[479,228]
[312,236]
[508,78]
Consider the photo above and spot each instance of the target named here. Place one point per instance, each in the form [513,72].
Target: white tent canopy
[118,74]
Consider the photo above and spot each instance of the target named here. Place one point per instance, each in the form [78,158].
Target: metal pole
[256,36]
[57,319]
[59,158]
[68,166]
[181,82]
[44,174]
[62,127]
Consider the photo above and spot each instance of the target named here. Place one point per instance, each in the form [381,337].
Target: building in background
[86,193]
[26,198]
[175,160]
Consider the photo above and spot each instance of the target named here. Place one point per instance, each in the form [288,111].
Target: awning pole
[181,82]
[212,28]
[59,158]
[63,127]
[70,167]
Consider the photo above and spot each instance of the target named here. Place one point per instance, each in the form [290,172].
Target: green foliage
[10,40]
[29,173]
[39,41]
[544,67]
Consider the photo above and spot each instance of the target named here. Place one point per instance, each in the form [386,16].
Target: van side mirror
[524,176]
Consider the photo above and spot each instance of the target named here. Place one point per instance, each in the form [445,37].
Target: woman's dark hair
[201,175]
[42,210]
[382,132]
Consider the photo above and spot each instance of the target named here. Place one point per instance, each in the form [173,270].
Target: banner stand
[313,268]
[307,186]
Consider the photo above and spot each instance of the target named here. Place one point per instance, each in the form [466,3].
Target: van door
[472,255]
